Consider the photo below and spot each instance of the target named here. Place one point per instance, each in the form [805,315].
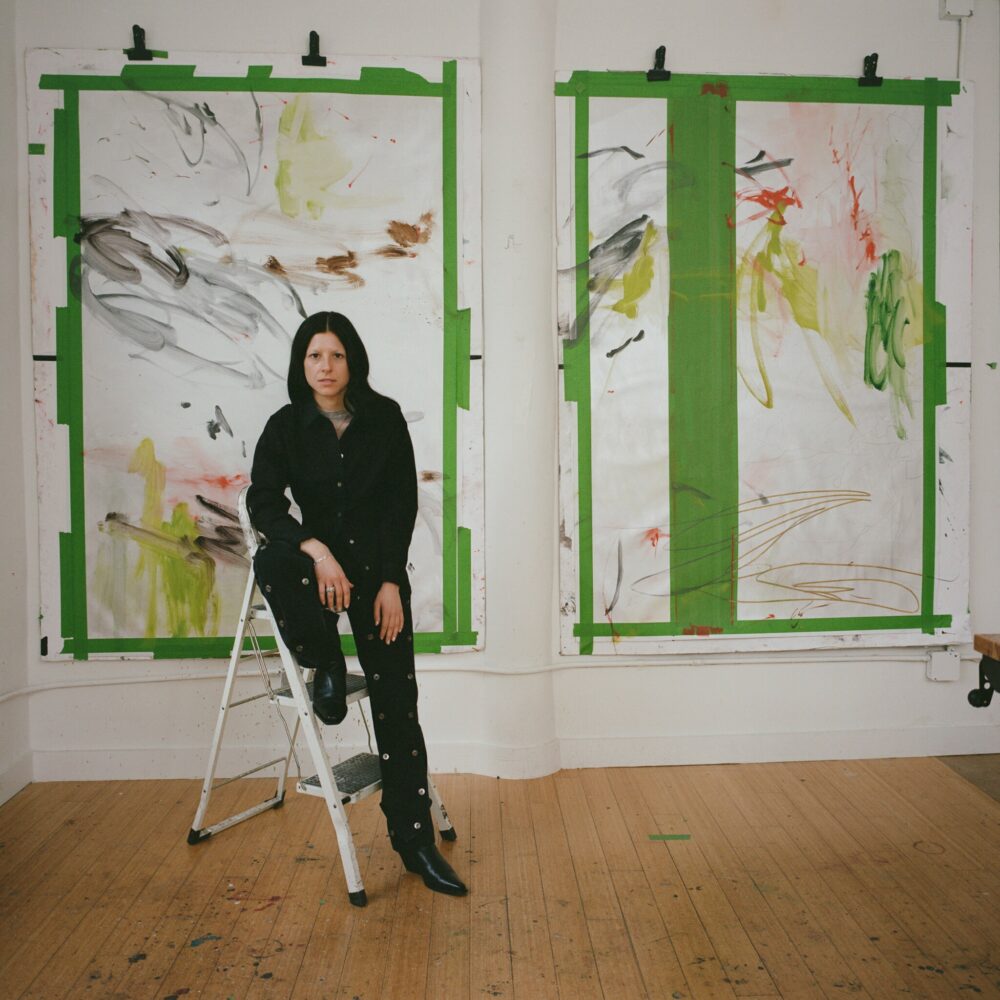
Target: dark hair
[359,392]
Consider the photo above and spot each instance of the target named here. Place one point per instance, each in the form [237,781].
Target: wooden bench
[989,669]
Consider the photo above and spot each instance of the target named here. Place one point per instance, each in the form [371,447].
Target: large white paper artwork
[185,217]
[763,308]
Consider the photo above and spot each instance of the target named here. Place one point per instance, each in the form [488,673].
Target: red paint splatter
[729,222]
[802,261]
[774,200]
[720,89]
[702,629]
[770,616]
[392,141]
[654,535]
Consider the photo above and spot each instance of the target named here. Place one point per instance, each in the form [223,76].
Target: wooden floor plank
[879,868]
[490,971]
[572,954]
[329,937]
[747,828]
[99,899]
[43,926]
[654,953]
[702,967]
[532,964]
[720,895]
[448,963]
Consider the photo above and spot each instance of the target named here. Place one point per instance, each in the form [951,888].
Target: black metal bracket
[658,72]
[313,58]
[870,79]
[139,50]
[989,678]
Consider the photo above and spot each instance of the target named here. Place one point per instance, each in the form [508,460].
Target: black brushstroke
[44,357]
[229,513]
[761,167]
[185,406]
[219,423]
[618,583]
[612,149]
[958,364]
[686,488]
[759,156]
[631,340]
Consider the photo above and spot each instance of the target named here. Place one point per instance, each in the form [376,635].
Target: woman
[345,451]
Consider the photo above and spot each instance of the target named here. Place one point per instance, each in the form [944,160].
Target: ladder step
[356,778]
[356,690]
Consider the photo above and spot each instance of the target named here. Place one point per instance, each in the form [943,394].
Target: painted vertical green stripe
[36,148]
[464,335]
[576,368]
[464,579]
[701,141]
[934,361]
[449,168]
[69,370]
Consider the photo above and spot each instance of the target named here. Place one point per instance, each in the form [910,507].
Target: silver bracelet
[316,562]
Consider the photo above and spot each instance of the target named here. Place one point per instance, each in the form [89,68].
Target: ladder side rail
[321,760]
[227,695]
[438,811]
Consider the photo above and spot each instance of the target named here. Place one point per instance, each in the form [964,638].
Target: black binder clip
[658,72]
[139,50]
[314,58]
[870,79]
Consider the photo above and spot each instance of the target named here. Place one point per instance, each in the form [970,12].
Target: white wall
[15,751]
[517,708]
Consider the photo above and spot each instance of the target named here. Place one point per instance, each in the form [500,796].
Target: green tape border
[930,93]
[383,81]
[36,149]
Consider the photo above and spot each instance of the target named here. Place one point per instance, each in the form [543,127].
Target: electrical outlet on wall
[954,9]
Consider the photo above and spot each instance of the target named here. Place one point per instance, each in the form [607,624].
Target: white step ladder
[340,784]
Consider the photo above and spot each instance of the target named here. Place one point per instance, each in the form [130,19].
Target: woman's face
[326,370]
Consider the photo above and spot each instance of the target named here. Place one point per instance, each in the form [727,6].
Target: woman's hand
[388,612]
[332,583]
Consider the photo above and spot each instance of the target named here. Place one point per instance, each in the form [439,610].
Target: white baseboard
[15,777]
[533,761]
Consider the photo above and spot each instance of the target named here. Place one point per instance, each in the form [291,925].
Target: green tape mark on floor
[704,468]
[670,836]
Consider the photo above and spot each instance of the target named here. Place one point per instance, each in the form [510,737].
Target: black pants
[288,580]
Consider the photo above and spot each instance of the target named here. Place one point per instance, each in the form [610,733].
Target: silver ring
[328,589]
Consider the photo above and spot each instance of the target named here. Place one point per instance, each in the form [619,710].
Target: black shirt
[357,494]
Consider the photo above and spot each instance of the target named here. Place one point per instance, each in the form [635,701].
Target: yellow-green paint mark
[637,281]
[310,163]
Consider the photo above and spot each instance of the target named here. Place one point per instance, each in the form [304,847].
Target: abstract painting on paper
[764,303]
[186,215]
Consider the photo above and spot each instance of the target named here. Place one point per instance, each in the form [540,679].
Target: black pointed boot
[425,860]
[330,693]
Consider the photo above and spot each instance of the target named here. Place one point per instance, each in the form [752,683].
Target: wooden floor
[871,879]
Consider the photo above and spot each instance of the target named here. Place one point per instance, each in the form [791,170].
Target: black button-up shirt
[357,494]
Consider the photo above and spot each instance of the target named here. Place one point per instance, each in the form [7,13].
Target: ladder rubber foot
[280,802]
[449,834]
[359,898]
[197,836]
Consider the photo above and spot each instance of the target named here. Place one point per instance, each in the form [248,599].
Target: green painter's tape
[770,626]
[69,367]
[463,337]
[464,579]
[935,356]
[576,366]
[373,80]
[704,466]
[449,126]
[797,89]
[670,836]
[155,53]
[36,148]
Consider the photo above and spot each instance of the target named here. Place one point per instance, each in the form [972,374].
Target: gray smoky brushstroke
[679,177]
[206,122]
[144,284]
[611,149]
[604,264]
[218,424]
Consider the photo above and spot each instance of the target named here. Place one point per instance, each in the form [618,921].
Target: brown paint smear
[406,235]
[341,265]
